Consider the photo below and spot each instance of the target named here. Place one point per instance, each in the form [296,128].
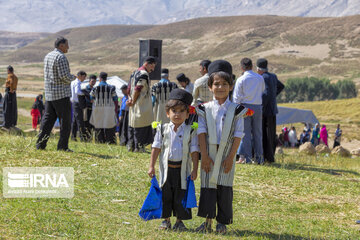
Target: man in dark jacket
[272,88]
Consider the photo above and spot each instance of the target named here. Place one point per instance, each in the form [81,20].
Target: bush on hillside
[315,89]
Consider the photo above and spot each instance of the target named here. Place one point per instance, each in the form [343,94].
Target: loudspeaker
[151,48]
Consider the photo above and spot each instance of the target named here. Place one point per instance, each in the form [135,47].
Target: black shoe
[179,226]
[205,227]
[165,225]
[220,228]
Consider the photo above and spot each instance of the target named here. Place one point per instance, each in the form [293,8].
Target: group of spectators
[288,138]
[89,109]
[96,109]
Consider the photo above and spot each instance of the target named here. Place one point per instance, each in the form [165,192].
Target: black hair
[205,64]
[246,64]
[10,68]
[35,105]
[174,103]
[92,76]
[150,60]
[81,73]
[60,40]
[223,75]
[103,75]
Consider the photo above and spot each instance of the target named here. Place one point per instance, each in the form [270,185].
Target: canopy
[293,115]
[114,80]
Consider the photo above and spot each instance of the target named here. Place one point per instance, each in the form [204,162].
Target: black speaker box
[151,47]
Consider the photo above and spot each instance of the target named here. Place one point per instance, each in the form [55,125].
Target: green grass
[299,197]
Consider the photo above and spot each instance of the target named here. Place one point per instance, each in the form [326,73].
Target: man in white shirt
[78,114]
[201,92]
[248,91]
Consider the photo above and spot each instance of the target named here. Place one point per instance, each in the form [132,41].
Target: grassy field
[299,197]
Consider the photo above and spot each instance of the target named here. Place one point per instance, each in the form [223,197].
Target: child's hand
[151,172]
[206,163]
[193,175]
[129,103]
[227,164]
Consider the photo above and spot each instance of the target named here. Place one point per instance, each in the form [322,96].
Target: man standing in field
[272,88]
[248,91]
[57,80]
[140,107]
[10,104]
[201,93]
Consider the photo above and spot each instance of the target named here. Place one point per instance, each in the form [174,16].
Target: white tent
[293,115]
[114,80]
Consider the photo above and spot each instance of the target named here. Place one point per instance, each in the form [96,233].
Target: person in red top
[35,114]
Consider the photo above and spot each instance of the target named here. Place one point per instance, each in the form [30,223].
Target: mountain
[14,40]
[55,15]
[294,46]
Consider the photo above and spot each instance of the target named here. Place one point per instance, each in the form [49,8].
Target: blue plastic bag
[152,207]
[189,200]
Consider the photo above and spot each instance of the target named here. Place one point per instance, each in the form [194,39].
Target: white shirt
[176,142]
[75,90]
[219,113]
[249,88]
[292,136]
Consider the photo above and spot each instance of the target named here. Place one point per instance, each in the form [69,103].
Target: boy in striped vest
[174,143]
[220,132]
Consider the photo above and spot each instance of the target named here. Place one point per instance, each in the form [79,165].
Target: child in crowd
[35,114]
[124,117]
[175,142]
[220,131]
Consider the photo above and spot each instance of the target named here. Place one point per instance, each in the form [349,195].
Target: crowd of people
[218,119]
[288,137]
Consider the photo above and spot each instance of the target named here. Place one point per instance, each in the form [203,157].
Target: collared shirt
[11,82]
[176,142]
[75,90]
[249,88]
[219,113]
[57,77]
[201,91]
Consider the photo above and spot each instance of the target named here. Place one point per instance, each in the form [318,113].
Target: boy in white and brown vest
[220,132]
[176,146]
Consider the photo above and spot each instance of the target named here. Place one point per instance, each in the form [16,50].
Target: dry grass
[187,43]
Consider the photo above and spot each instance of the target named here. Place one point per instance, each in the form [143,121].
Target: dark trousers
[10,109]
[336,143]
[222,197]
[172,195]
[269,138]
[105,135]
[124,127]
[140,137]
[88,127]
[78,122]
[56,109]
